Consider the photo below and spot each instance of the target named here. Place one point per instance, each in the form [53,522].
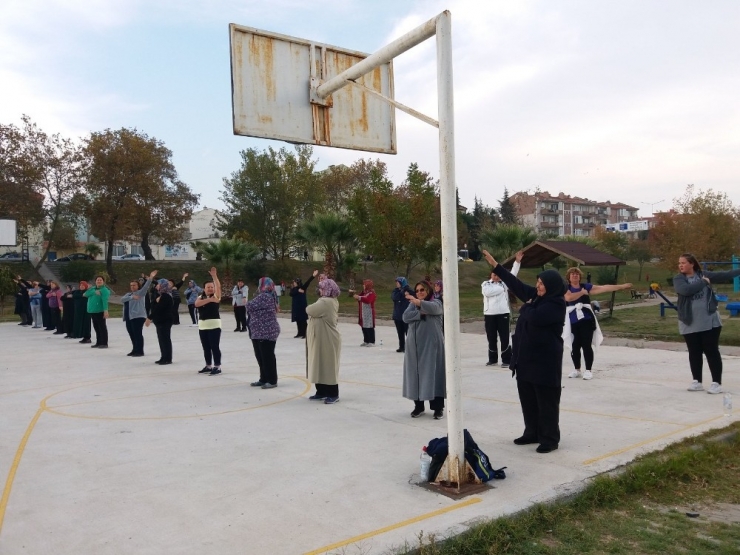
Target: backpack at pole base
[476,458]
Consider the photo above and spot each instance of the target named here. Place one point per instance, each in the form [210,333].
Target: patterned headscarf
[164,287]
[367,284]
[328,288]
[439,283]
[266,285]
[402,281]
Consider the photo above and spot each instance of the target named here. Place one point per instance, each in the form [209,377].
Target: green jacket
[97,303]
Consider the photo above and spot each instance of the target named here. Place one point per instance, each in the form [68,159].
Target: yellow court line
[17,461]
[640,444]
[401,524]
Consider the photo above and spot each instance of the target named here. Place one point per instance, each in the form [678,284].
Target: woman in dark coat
[22,301]
[400,304]
[298,304]
[68,313]
[83,322]
[162,317]
[537,354]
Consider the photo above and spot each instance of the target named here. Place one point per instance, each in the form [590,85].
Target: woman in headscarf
[400,304]
[366,309]
[424,360]
[68,313]
[97,307]
[264,330]
[55,307]
[324,343]
[438,290]
[698,320]
[537,354]
[298,304]
[83,322]
[191,294]
[134,313]
[161,316]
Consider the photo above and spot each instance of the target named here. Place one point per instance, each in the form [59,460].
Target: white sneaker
[193,325]
[369,344]
[696,386]
[714,388]
[587,375]
[575,374]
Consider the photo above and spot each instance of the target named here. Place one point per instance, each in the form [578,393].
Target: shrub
[78,270]
[605,276]
[254,270]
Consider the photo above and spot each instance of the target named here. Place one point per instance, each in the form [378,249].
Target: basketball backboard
[8,233]
[271,77]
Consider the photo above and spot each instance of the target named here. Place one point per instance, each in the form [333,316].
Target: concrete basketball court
[104,454]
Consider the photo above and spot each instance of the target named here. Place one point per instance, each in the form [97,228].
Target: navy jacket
[537,345]
[299,302]
[400,303]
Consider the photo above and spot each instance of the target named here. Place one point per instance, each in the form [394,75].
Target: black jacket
[161,311]
[299,302]
[537,345]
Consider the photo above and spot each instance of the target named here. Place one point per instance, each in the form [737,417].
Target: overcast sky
[624,101]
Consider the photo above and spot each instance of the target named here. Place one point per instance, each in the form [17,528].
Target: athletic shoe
[575,374]
[416,413]
[331,400]
[102,346]
[369,344]
[269,386]
[364,344]
[215,371]
[94,346]
[714,388]
[205,370]
[489,363]
[587,375]
[439,414]
[505,364]
[257,384]
[696,386]
[317,397]
[193,325]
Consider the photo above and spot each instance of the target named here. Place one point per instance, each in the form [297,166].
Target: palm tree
[506,239]
[227,252]
[332,235]
[93,250]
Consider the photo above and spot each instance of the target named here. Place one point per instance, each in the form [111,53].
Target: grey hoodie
[136,307]
[696,307]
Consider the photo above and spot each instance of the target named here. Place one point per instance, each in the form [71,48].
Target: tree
[506,239]
[330,233]
[228,252]
[7,285]
[20,199]
[269,195]
[612,242]
[93,250]
[507,211]
[704,223]
[639,251]
[133,190]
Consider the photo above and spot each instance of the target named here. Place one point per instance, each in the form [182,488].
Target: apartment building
[567,215]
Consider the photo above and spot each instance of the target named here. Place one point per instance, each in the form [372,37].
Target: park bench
[734,308]
[634,294]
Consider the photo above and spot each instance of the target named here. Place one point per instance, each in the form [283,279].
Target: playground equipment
[667,304]
[735,265]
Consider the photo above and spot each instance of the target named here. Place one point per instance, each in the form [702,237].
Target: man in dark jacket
[537,354]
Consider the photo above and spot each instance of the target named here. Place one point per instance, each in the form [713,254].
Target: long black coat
[299,302]
[537,345]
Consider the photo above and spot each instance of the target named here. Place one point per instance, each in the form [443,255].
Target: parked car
[129,257]
[75,256]
[10,256]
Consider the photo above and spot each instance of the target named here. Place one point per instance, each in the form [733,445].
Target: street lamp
[651,204]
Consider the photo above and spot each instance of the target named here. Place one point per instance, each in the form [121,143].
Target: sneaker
[587,375]
[416,413]
[102,346]
[439,414]
[269,386]
[714,389]
[257,384]
[193,325]
[489,363]
[696,386]
[369,344]
[364,344]
[505,364]
[94,346]
[331,400]
[215,371]
[205,370]
[575,374]
[317,397]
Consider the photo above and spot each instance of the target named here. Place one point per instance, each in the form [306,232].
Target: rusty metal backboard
[271,77]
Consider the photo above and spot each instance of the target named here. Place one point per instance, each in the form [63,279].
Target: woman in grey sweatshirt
[134,314]
[698,319]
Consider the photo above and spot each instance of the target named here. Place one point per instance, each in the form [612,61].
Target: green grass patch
[639,510]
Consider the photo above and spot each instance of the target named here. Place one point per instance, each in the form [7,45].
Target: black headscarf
[553,282]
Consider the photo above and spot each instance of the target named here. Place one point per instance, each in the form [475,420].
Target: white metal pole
[448,209]
[382,56]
